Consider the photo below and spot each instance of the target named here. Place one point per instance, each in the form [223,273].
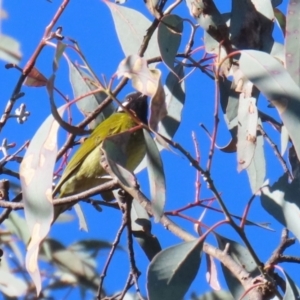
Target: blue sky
[90,23]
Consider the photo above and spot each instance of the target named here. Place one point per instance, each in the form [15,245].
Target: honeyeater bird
[84,171]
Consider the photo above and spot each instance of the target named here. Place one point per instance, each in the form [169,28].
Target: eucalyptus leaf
[172,271]
[243,257]
[271,78]
[36,172]
[131,27]
[292,291]
[81,85]
[281,200]
[292,46]
[156,177]
[169,38]
[10,49]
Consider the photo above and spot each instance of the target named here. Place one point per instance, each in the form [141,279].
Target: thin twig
[133,268]
[197,183]
[5,214]
[277,256]
[30,64]
[109,258]
[216,123]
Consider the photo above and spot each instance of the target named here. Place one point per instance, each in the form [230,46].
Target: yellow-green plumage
[84,171]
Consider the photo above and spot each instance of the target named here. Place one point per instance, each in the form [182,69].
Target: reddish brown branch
[30,64]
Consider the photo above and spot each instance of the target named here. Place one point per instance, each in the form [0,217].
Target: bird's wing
[116,123]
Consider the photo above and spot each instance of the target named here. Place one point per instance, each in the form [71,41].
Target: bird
[84,171]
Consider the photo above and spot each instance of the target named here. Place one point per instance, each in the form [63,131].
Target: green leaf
[292,45]
[271,78]
[10,49]
[148,242]
[140,220]
[131,27]
[169,38]
[156,177]
[172,271]
[282,202]
[81,86]
[36,172]
[241,255]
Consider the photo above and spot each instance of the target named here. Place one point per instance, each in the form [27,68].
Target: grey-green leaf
[172,271]
[10,49]
[292,46]
[81,86]
[156,176]
[242,256]
[131,27]
[60,48]
[282,202]
[140,220]
[272,79]
[169,38]
[175,99]
[148,242]
[292,291]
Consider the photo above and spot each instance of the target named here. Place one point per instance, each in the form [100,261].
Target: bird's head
[137,102]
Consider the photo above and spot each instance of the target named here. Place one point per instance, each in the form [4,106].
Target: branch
[30,64]
[111,253]
[238,271]
[66,200]
[277,256]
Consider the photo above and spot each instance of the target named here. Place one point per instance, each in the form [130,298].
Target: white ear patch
[124,104]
